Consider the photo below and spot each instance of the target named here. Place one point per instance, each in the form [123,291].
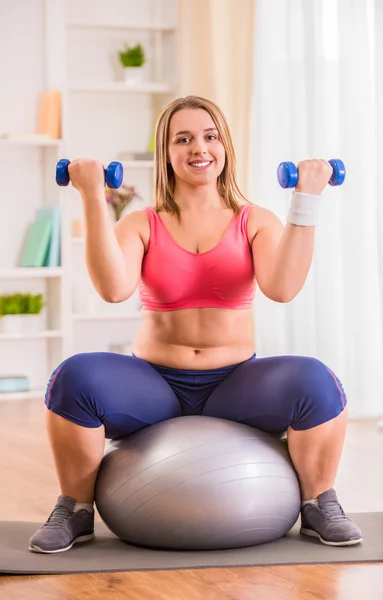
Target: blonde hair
[164,179]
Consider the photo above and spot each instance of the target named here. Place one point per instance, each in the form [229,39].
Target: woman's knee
[320,394]
[71,388]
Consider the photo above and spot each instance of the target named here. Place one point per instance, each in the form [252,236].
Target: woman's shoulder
[259,218]
[138,220]
[254,212]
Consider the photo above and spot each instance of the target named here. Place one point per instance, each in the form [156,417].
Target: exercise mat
[107,553]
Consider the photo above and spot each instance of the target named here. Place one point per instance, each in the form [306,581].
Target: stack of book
[42,246]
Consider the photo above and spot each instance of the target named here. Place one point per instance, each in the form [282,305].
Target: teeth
[200,164]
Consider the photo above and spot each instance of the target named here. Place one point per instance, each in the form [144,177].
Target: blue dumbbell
[287,173]
[114,173]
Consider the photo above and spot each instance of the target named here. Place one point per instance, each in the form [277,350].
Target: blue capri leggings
[126,393]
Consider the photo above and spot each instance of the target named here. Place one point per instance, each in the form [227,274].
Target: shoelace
[58,516]
[333,510]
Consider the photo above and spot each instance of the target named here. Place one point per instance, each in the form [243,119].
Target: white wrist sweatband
[304,209]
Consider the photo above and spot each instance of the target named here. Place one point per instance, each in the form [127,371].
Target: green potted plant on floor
[132,59]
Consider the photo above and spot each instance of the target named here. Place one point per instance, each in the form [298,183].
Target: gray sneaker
[328,522]
[63,528]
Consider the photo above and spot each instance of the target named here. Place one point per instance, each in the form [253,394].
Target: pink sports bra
[174,278]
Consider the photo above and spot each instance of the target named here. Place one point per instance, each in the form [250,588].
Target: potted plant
[10,314]
[120,198]
[132,59]
[32,308]
[20,312]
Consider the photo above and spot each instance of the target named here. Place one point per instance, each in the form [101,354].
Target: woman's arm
[282,256]
[113,254]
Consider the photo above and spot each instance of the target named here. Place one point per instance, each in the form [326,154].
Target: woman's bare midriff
[195,338]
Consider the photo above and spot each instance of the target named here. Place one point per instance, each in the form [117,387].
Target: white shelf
[30,395]
[112,317]
[77,241]
[121,27]
[152,87]
[138,164]
[30,273]
[46,334]
[29,141]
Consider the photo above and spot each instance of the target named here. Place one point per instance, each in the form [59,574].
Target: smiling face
[195,150]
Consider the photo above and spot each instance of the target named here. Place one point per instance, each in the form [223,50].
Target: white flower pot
[21,323]
[32,323]
[133,75]
[11,323]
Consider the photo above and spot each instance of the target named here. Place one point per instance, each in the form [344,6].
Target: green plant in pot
[20,312]
[132,59]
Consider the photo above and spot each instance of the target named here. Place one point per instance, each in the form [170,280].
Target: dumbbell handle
[287,173]
[114,173]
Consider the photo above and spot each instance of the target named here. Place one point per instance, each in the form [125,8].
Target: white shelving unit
[150,87]
[116,317]
[102,117]
[33,394]
[38,335]
[31,273]
[138,164]
[30,141]
[121,27]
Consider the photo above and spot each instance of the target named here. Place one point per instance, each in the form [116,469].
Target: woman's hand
[87,176]
[313,176]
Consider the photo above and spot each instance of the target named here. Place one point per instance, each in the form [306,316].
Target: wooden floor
[28,491]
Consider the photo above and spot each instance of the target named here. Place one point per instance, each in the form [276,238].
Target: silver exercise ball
[198,483]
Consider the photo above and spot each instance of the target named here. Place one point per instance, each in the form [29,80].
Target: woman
[196,258]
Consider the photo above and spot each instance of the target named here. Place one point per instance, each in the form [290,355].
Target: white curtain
[208,64]
[318,93]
